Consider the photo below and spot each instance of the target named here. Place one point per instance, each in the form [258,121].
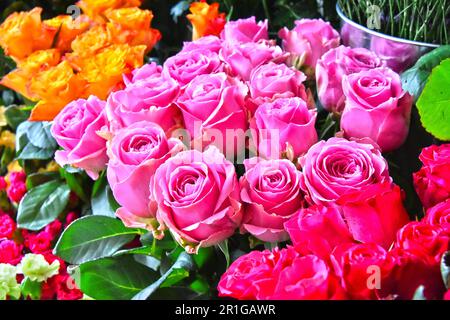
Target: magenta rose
[271,194]
[284,126]
[76,130]
[135,152]
[432,181]
[333,66]
[309,40]
[245,30]
[271,81]
[398,56]
[377,107]
[143,73]
[318,230]
[198,198]
[244,57]
[146,99]
[211,43]
[439,215]
[337,166]
[186,66]
[213,107]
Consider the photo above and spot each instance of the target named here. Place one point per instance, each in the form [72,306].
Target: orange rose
[68,29]
[206,19]
[23,32]
[104,71]
[18,79]
[132,26]
[96,8]
[55,88]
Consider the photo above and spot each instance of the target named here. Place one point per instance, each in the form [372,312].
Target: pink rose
[285,125]
[243,58]
[135,152]
[146,99]
[271,194]
[333,66]
[271,81]
[432,181]
[211,43]
[318,230]
[213,107]
[439,215]
[75,129]
[198,198]
[360,267]
[309,40]
[398,56]
[374,213]
[245,30]
[186,66]
[147,71]
[377,107]
[336,167]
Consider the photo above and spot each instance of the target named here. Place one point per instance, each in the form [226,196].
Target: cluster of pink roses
[168,140]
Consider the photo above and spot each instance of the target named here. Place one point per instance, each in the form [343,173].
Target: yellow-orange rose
[104,71]
[55,88]
[132,26]
[205,19]
[96,8]
[22,33]
[19,79]
[68,29]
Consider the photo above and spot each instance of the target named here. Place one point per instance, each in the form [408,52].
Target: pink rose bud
[283,125]
[243,58]
[271,194]
[309,40]
[143,73]
[76,129]
[147,98]
[377,107]
[337,166]
[135,153]
[213,112]
[187,65]
[271,81]
[198,198]
[333,66]
[211,43]
[245,30]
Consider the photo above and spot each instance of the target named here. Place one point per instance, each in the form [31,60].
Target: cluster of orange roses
[65,58]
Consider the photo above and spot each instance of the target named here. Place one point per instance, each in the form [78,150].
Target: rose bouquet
[242,168]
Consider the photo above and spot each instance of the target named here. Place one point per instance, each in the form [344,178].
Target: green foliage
[102,199]
[42,204]
[34,141]
[31,289]
[445,269]
[434,102]
[93,237]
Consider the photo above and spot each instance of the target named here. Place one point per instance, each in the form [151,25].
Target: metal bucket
[399,54]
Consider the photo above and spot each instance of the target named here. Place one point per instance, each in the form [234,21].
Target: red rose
[7,226]
[66,288]
[432,181]
[374,213]
[362,268]
[318,230]
[411,271]
[447,295]
[54,228]
[10,252]
[39,242]
[439,215]
[429,242]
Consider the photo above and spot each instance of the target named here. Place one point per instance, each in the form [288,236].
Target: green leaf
[75,182]
[445,269]
[119,278]
[178,271]
[148,261]
[223,246]
[102,200]
[179,9]
[31,289]
[42,204]
[414,79]
[434,102]
[419,294]
[144,250]
[40,136]
[36,179]
[15,115]
[93,237]
[34,141]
